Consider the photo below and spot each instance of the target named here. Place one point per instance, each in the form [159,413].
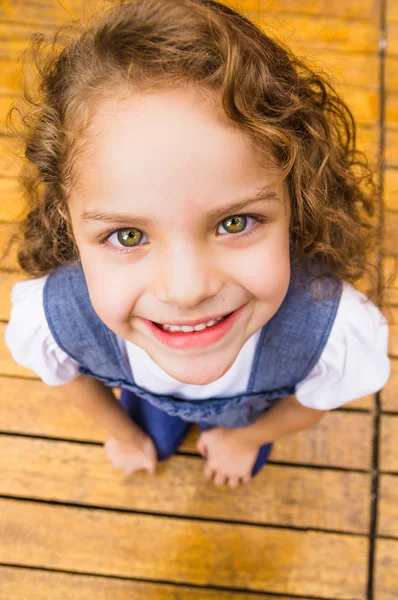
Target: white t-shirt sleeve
[354,362]
[29,338]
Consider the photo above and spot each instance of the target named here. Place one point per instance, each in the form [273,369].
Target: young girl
[196,220]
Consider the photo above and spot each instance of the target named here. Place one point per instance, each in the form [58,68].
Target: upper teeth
[187,328]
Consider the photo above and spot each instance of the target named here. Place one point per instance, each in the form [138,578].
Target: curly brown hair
[284,106]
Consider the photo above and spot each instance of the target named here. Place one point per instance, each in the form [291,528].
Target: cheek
[265,271]
[112,294]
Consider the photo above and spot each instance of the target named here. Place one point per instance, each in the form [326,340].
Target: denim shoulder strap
[76,327]
[292,342]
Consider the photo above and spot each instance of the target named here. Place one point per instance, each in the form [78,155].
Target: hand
[133,455]
[230,455]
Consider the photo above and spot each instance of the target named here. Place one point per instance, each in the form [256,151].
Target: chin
[199,375]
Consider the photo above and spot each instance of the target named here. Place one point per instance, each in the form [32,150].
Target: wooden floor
[320,521]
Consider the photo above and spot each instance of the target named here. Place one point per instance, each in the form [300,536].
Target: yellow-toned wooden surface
[180,550]
[36,585]
[72,526]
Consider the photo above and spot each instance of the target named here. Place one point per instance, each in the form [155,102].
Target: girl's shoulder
[354,362]
[29,339]
[357,312]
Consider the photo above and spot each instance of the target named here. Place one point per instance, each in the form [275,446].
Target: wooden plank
[12,206]
[9,163]
[5,105]
[391,189]
[7,280]
[279,495]
[302,33]
[393,331]
[348,68]
[391,74]
[392,37]
[390,270]
[35,584]
[48,12]
[368,141]
[388,506]
[391,119]
[323,7]
[259,558]
[389,394]
[392,12]
[364,403]
[392,147]
[390,246]
[388,445]
[342,439]
[9,261]
[386,569]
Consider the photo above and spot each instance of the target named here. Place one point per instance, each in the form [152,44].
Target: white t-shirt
[354,362]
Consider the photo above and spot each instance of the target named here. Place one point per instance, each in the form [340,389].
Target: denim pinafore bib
[289,346]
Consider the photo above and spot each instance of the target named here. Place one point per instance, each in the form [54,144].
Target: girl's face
[160,235]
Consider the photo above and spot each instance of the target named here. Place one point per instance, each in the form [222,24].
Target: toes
[208,472]
[233,482]
[220,479]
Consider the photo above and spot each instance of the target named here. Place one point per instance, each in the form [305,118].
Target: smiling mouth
[189,329]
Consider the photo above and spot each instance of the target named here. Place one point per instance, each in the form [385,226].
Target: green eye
[235,224]
[129,237]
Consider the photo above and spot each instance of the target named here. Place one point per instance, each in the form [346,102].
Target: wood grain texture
[7,281]
[8,261]
[391,189]
[12,206]
[386,569]
[18,583]
[388,506]
[278,495]
[391,109]
[389,394]
[390,269]
[392,12]
[393,331]
[391,151]
[48,12]
[392,38]
[389,447]
[390,245]
[169,549]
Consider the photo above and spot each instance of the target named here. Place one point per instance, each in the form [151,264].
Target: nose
[186,275]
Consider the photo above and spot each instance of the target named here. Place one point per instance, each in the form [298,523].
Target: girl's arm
[98,402]
[285,417]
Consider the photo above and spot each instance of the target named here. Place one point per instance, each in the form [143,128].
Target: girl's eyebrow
[262,196]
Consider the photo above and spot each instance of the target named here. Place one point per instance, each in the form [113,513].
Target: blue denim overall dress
[289,346]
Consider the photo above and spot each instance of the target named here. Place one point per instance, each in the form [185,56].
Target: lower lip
[195,339]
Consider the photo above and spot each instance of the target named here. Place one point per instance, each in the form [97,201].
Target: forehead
[165,150]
